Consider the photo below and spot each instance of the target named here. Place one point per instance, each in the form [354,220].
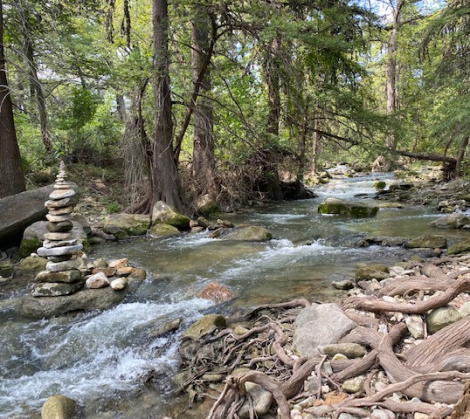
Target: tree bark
[203,170]
[273,82]
[11,176]
[165,174]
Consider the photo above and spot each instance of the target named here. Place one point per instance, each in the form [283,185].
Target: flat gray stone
[319,325]
[64,276]
[58,218]
[59,251]
[56,289]
[59,194]
[58,236]
[63,266]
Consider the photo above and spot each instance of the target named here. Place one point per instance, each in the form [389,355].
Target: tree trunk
[165,173]
[273,82]
[11,176]
[203,170]
[460,157]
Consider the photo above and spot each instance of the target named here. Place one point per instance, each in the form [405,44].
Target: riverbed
[110,363]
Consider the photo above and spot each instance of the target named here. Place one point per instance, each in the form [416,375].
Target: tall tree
[11,176]
[203,170]
[165,179]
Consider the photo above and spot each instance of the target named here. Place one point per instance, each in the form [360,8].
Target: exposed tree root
[433,370]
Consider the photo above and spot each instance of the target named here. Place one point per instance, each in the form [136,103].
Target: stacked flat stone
[62,275]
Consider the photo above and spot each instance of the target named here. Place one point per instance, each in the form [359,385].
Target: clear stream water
[102,359]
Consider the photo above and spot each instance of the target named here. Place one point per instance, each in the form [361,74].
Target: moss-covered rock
[164,230]
[201,327]
[124,225]
[454,220]
[368,272]
[337,207]
[380,185]
[207,205]
[6,268]
[163,213]
[441,317]
[32,265]
[459,247]
[428,241]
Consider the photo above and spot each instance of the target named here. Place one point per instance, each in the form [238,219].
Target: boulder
[204,325]
[338,207]
[429,241]
[454,220]
[163,213]
[459,247]
[125,225]
[83,300]
[164,230]
[319,325]
[21,210]
[59,407]
[207,205]
[249,233]
[33,237]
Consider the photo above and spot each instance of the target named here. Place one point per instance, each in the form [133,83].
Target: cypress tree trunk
[165,174]
[203,171]
[273,82]
[11,176]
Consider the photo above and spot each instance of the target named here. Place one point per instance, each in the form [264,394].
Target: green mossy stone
[164,230]
[380,186]
[460,247]
[28,246]
[203,326]
[429,241]
[32,265]
[6,269]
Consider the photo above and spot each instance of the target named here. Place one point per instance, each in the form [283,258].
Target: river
[102,359]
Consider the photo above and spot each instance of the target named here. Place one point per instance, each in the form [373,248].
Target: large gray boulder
[163,213]
[320,325]
[125,225]
[33,237]
[21,210]
[84,300]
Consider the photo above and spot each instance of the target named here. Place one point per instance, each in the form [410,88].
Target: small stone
[262,400]
[118,263]
[61,211]
[107,271]
[119,284]
[59,194]
[59,251]
[382,414]
[57,236]
[58,218]
[441,317]
[351,350]
[138,275]
[62,258]
[343,285]
[100,263]
[63,266]
[354,385]
[98,280]
[63,226]
[415,325]
[124,271]
[48,244]
[58,407]
[73,275]
[62,203]
[419,415]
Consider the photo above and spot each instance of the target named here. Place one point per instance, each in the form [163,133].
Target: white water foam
[95,356]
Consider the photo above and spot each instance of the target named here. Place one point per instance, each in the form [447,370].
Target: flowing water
[103,359]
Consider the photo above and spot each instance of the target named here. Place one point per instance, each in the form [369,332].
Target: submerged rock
[249,233]
[203,326]
[336,206]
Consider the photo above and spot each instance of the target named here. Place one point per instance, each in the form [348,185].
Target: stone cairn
[62,275]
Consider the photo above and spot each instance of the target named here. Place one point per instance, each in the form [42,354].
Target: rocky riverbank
[395,348]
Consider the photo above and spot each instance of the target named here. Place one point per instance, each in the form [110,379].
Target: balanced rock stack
[62,275]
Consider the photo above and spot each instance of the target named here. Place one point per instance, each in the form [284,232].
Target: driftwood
[435,370]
